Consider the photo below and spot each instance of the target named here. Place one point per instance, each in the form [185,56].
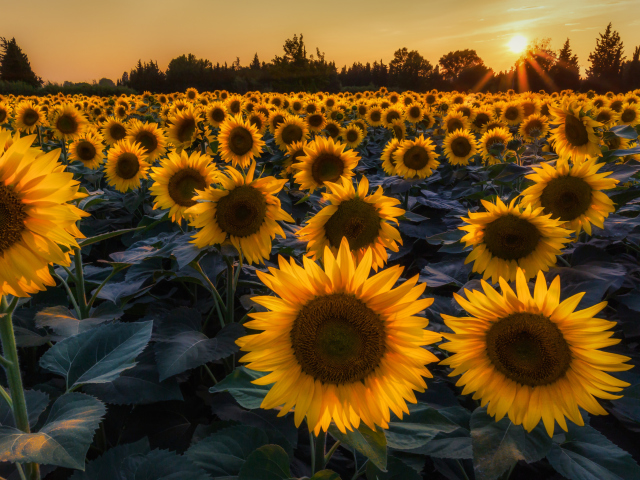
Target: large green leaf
[37,402]
[497,446]
[109,465]
[371,444]
[99,355]
[583,453]
[417,429]
[63,440]
[161,465]
[396,470]
[239,385]
[224,452]
[62,321]
[269,462]
[325,475]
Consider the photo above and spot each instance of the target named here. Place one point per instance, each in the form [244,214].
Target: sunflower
[574,137]
[494,144]
[325,160]
[399,129]
[415,158]
[363,219]
[259,121]
[177,179]
[88,150]
[572,194]
[216,113]
[245,211]
[36,217]
[606,116]
[390,114]
[126,165]
[316,122]
[483,116]
[459,147]
[114,130]
[352,135]
[507,237]
[150,136]
[5,112]
[512,113]
[28,117]
[374,116]
[294,152]
[533,127]
[340,346]
[239,142]
[291,130]
[629,115]
[192,94]
[67,122]
[532,357]
[455,121]
[183,130]
[276,117]
[388,162]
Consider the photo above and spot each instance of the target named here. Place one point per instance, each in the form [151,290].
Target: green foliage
[372,444]
[14,64]
[239,385]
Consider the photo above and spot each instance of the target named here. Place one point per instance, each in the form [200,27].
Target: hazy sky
[84,40]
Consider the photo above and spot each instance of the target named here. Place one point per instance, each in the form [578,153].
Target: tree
[106,82]
[147,77]
[534,66]
[188,71]
[453,63]
[566,71]
[631,72]
[14,64]
[410,70]
[255,63]
[606,60]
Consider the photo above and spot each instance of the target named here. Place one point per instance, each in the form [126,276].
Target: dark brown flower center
[185,129]
[327,167]
[566,198]
[127,165]
[12,217]
[183,184]
[148,140]
[66,124]
[242,212]
[416,157]
[355,219]
[454,124]
[528,348]
[481,119]
[510,237]
[352,136]
[576,133]
[85,150]
[30,117]
[511,113]
[240,141]
[291,133]
[628,116]
[460,146]
[218,115]
[117,131]
[315,120]
[338,339]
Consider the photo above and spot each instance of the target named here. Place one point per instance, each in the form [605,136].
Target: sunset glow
[517,44]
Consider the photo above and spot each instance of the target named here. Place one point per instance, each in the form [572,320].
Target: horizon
[55,58]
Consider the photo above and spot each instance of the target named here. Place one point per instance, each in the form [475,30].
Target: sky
[85,40]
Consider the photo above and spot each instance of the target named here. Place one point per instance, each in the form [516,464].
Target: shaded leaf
[37,403]
[418,428]
[239,385]
[396,470]
[109,465]
[269,462]
[62,321]
[371,444]
[161,465]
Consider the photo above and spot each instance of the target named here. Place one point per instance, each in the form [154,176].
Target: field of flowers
[378,285]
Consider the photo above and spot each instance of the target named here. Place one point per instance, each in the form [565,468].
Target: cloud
[570,24]
[522,9]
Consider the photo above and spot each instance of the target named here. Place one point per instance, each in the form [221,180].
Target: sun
[517,44]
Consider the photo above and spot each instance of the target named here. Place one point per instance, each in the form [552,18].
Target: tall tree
[606,60]
[631,72]
[410,70]
[453,63]
[14,64]
[534,66]
[255,63]
[147,77]
[566,71]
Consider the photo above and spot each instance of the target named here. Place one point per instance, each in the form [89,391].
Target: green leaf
[62,321]
[98,238]
[396,470]
[37,402]
[371,444]
[161,465]
[624,131]
[418,428]
[585,454]
[326,475]
[109,465]
[99,355]
[269,462]
[239,385]
[497,446]
[63,440]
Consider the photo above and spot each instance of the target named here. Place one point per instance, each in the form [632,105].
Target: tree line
[539,68]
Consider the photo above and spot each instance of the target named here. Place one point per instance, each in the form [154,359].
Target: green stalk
[320,442]
[230,291]
[81,297]
[14,379]
[216,296]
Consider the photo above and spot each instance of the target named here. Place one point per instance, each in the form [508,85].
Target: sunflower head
[183,130]
[126,165]
[415,158]
[113,130]
[459,147]
[88,150]
[575,136]
[455,121]
[150,136]
[67,122]
[352,135]
[494,144]
[292,129]
[28,116]
[534,127]
[239,141]
[335,337]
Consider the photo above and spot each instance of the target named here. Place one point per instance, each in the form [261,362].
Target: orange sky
[85,40]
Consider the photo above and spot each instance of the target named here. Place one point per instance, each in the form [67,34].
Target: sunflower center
[355,219]
[240,141]
[327,168]
[533,126]
[392,115]
[148,140]
[528,348]
[186,129]
[315,120]
[566,198]
[337,339]
[352,136]
[30,117]
[86,151]
[510,237]
[454,124]
[242,212]
[217,114]
[511,113]
[575,131]
[460,147]
[414,112]
[603,117]
[375,116]
[416,157]
[117,131]
[481,120]
[616,105]
[333,130]
[12,217]
[628,116]
[127,165]
[3,115]
[291,133]
[66,124]
[276,121]
[183,184]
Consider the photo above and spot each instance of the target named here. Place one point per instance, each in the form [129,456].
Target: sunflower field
[379,285]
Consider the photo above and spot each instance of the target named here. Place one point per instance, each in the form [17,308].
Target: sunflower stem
[10,351]
[230,290]
[563,261]
[319,446]
[104,282]
[72,298]
[80,290]
[7,398]
[361,470]
[21,472]
[217,300]
[330,453]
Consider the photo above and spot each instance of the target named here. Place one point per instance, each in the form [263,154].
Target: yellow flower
[245,212]
[512,113]
[29,117]
[239,142]
[415,158]
[340,347]
[455,121]
[126,166]
[629,115]
[67,122]
[388,162]
[114,130]
[37,219]
[494,144]
[507,237]
[150,136]
[216,113]
[291,130]
[574,137]
[532,357]
[89,150]
[459,147]
[352,135]
[183,130]
[534,126]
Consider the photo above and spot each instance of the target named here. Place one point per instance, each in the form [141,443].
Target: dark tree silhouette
[566,71]
[147,77]
[534,66]
[410,70]
[606,60]
[631,72]
[453,63]
[255,63]
[14,64]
